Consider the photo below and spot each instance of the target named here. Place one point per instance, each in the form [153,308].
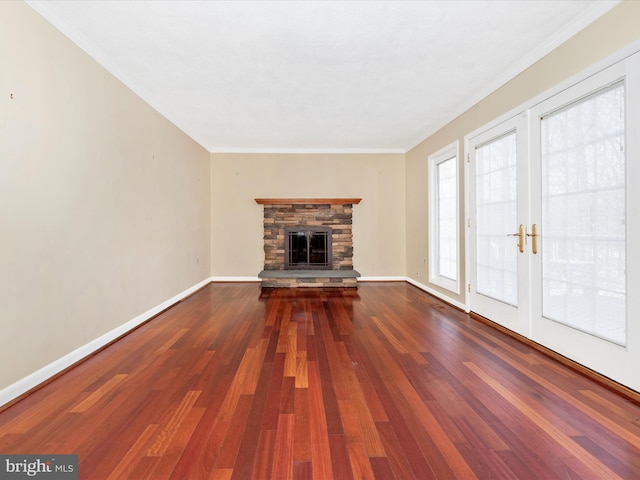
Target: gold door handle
[520,236]
[534,238]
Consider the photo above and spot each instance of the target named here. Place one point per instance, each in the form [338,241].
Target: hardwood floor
[382,382]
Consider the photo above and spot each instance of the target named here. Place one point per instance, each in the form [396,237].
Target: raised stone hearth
[335,213]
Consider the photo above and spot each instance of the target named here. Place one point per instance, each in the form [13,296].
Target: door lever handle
[520,236]
[534,238]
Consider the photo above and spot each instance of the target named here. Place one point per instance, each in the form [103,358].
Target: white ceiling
[340,76]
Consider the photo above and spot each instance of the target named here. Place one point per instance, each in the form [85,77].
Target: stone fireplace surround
[280,213]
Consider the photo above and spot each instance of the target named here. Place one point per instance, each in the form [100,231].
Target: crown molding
[572,28]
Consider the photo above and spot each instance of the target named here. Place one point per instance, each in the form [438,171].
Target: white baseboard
[382,279]
[234,279]
[36,378]
[438,294]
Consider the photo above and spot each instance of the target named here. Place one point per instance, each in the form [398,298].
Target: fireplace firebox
[307,248]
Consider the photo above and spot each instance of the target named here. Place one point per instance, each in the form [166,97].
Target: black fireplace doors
[307,248]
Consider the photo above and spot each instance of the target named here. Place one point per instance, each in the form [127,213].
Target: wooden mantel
[300,201]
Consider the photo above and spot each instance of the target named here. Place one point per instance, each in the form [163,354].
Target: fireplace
[307,248]
[308,242]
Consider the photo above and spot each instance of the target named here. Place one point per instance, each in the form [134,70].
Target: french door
[554,220]
[499,215]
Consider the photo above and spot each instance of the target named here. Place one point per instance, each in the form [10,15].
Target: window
[443,218]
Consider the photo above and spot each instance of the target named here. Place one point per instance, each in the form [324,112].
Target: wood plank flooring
[383,382]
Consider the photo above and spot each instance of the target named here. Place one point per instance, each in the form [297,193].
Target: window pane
[447,218]
[496,217]
[583,215]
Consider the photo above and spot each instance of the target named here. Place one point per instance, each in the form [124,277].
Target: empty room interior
[320,240]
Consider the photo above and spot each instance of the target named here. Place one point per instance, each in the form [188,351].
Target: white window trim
[435,159]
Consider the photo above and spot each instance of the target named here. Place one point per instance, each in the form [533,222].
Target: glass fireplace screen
[307,248]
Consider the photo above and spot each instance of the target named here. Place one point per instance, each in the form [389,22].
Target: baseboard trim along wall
[37,378]
[382,279]
[234,279]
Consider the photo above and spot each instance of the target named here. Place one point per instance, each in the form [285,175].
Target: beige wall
[610,33]
[378,221]
[104,205]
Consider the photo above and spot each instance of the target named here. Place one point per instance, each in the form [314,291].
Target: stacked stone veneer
[277,217]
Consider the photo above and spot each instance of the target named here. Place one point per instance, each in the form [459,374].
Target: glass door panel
[583,215]
[496,219]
